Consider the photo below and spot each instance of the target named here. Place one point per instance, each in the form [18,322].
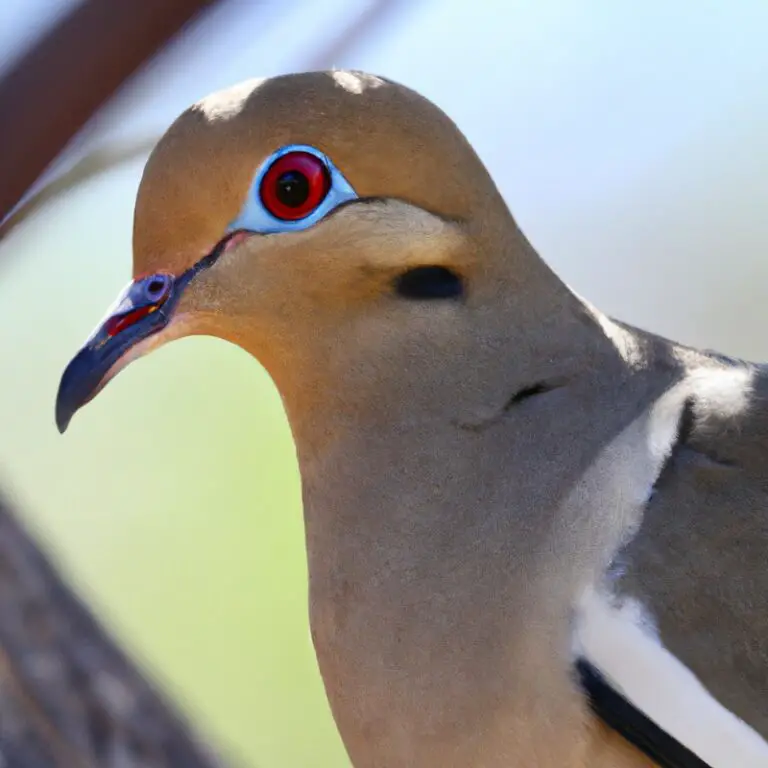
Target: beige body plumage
[475,463]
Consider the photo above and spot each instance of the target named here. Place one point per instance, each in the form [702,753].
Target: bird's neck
[445,557]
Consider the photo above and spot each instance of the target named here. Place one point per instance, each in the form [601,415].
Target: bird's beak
[141,311]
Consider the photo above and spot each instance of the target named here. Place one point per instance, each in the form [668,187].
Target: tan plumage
[470,468]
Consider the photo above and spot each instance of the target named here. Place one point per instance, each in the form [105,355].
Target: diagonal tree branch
[68,697]
[110,156]
[93,164]
[52,91]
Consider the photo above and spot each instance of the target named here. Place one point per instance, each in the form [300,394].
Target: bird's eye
[294,186]
[157,287]
[293,189]
[429,282]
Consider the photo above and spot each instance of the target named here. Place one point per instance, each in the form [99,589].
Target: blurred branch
[105,158]
[52,91]
[68,696]
[96,162]
[371,18]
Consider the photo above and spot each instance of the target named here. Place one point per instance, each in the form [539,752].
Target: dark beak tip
[77,384]
[62,420]
[64,410]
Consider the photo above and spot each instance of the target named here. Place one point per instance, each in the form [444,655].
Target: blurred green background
[630,139]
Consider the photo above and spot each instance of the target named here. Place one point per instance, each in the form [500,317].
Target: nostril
[157,287]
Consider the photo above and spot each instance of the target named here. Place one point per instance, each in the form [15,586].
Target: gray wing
[699,562]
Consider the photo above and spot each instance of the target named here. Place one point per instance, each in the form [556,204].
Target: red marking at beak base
[114,325]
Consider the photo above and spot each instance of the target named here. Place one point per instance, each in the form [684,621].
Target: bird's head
[334,224]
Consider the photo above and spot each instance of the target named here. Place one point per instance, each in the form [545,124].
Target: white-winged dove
[536,536]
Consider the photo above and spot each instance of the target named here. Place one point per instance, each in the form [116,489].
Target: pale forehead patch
[229,102]
[355,82]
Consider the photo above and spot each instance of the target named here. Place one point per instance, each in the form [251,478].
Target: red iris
[294,186]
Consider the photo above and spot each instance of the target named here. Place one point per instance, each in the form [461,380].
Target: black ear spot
[429,283]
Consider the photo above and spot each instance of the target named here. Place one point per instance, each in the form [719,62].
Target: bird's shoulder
[686,598]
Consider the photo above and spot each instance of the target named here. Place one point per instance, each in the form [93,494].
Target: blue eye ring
[254,217]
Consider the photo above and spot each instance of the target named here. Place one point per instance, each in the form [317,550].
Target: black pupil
[156,287]
[292,189]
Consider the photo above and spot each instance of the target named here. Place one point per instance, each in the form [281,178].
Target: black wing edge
[628,721]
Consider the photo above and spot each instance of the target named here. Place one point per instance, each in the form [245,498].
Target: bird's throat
[443,576]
